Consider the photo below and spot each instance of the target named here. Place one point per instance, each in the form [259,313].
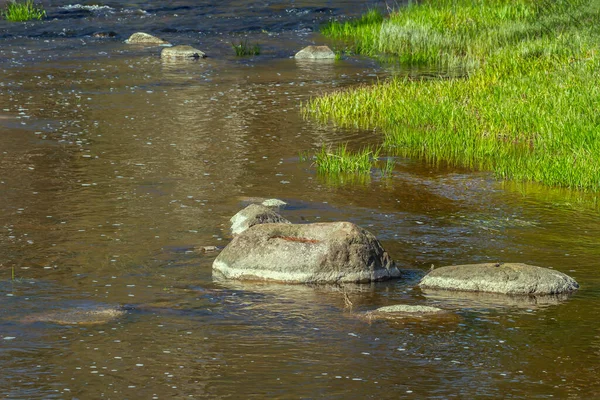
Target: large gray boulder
[502,278]
[252,215]
[181,52]
[315,53]
[146,39]
[336,252]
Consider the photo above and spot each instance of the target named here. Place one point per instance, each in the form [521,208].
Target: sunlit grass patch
[243,48]
[342,160]
[25,11]
[527,109]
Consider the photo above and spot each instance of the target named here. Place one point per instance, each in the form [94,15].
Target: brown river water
[115,167]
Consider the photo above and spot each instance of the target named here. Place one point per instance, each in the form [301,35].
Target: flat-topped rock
[407,312]
[252,215]
[146,39]
[181,52]
[335,252]
[505,278]
[315,53]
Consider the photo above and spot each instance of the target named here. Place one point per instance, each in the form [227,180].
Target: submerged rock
[252,215]
[79,315]
[105,35]
[402,311]
[335,252]
[145,38]
[508,278]
[315,53]
[414,315]
[181,52]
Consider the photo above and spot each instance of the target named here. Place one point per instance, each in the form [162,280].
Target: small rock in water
[410,313]
[207,249]
[315,53]
[145,38]
[252,215]
[79,315]
[104,35]
[181,52]
[274,203]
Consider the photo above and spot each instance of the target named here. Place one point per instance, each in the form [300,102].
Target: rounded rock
[336,252]
[507,278]
[315,53]
[181,52]
[252,215]
[146,39]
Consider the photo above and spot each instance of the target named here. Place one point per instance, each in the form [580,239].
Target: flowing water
[115,168]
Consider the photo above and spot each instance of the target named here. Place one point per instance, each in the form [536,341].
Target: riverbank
[525,104]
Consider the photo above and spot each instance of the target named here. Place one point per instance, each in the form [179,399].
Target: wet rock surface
[407,312]
[181,52]
[145,39]
[505,278]
[313,253]
[93,315]
[252,215]
[315,53]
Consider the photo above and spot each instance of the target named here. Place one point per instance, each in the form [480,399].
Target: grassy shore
[527,104]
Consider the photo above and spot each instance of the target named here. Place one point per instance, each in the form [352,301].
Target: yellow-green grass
[25,11]
[527,108]
[341,160]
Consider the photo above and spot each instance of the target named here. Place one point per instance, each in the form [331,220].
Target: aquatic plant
[342,160]
[525,108]
[388,167]
[243,48]
[19,12]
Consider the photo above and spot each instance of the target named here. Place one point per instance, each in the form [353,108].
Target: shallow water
[115,167]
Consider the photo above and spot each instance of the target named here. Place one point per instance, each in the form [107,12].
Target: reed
[19,12]
[243,48]
[525,107]
[341,160]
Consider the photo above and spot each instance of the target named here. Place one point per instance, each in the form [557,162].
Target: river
[116,167]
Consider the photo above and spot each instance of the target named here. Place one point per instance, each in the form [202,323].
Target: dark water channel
[115,167]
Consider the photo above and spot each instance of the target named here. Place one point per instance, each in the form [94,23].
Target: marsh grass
[527,107]
[387,169]
[243,48]
[341,160]
[19,12]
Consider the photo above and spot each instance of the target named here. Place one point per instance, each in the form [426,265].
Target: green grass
[343,161]
[19,12]
[243,48]
[526,106]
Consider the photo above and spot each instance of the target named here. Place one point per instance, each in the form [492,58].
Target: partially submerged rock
[399,311]
[315,53]
[181,52]
[335,252]
[105,35]
[146,39]
[79,315]
[507,278]
[276,203]
[252,215]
